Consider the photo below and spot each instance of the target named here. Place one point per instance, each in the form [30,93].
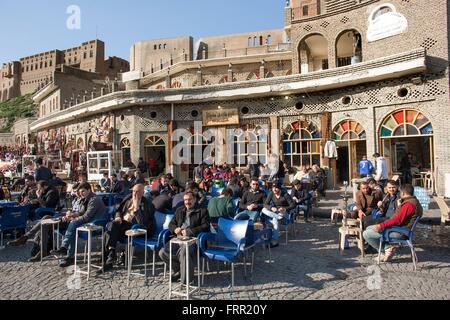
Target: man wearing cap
[301,197]
[277,207]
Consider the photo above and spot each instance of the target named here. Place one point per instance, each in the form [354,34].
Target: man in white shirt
[381,169]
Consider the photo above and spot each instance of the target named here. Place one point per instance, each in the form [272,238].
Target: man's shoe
[112,257]
[370,250]
[35,250]
[60,252]
[388,253]
[67,262]
[107,267]
[18,242]
[273,245]
[37,257]
[176,276]
[121,260]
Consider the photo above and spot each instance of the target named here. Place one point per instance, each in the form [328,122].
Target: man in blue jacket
[365,167]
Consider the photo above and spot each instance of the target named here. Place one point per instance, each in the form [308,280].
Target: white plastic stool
[89,229]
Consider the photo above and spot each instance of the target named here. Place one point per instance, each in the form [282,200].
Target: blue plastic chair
[287,222]
[407,240]
[257,238]
[39,213]
[13,218]
[160,236]
[227,245]
[109,199]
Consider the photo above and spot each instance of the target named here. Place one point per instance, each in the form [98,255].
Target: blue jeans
[69,237]
[373,238]
[304,208]
[275,222]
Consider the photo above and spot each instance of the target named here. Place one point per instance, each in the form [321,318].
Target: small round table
[185,242]
[50,222]
[131,234]
[90,230]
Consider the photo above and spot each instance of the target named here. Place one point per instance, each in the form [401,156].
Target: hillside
[12,110]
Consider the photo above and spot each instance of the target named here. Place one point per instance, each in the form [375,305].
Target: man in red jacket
[408,209]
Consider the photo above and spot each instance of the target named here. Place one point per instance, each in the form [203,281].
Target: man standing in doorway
[381,170]
[365,167]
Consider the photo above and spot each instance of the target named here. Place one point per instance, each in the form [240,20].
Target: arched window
[381,11]
[269,39]
[255,41]
[301,144]
[407,131]
[406,123]
[349,48]
[125,146]
[261,40]
[349,130]
[313,53]
[250,42]
[250,143]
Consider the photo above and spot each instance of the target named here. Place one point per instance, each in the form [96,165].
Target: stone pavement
[309,267]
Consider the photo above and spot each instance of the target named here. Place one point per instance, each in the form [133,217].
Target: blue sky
[30,27]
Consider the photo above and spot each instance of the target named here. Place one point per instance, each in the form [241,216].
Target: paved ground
[309,267]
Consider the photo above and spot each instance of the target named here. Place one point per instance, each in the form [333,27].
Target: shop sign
[221,117]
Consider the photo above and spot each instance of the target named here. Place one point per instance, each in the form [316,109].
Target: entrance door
[156,160]
[350,136]
[155,155]
[342,164]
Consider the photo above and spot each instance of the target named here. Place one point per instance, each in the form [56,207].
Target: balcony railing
[224,53]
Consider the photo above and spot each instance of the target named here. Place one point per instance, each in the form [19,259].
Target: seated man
[47,196]
[28,193]
[45,237]
[164,186]
[317,176]
[408,210]
[190,220]
[301,197]
[366,201]
[105,182]
[162,202]
[135,209]
[92,208]
[252,201]
[277,206]
[221,206]
[386,207]
[116,185]
[138,179]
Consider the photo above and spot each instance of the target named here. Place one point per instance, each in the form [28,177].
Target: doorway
[155,155]
[406,131]
[342,164]
[350,137]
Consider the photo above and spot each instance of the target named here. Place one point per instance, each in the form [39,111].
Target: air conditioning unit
[447,185]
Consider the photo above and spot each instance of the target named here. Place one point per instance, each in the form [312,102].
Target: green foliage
[14,109]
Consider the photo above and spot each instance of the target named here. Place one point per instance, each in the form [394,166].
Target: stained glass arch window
[349,130]
[406,123]
[301,144]
[154,141]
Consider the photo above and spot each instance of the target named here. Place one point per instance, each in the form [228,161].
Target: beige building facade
[368,76]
